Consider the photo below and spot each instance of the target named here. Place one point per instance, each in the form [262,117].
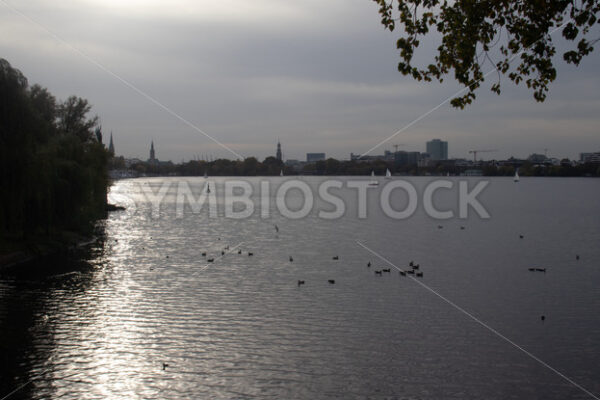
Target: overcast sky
[320,76]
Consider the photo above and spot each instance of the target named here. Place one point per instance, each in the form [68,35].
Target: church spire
[278,154]
[111,146]
[152,155]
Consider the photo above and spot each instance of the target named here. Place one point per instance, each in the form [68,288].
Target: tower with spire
[111,146]
[278,154]
[152,158]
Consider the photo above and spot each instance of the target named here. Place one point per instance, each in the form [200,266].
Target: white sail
[388,174]
[517,176]
[281,173]
[373,182]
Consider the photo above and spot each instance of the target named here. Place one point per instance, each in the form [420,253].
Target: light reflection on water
[242,328]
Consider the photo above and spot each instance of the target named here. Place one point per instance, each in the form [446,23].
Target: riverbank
[22,252]
[17,252]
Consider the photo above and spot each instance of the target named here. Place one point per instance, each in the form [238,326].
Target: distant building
[537,158]
[406,157]
[387,156]
[473,172]
[111,146]
[424,160]
[512,162]
[590,157]
[295,165]
[152,158]
[278,154]
[462,162]
[437,149]
[553,161]
[314,157]
[585,157]
[132,161]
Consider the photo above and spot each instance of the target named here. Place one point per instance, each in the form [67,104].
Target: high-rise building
[111,146]
[437,149]
[313,157]
[278,154]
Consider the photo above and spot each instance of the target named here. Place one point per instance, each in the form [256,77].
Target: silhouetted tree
[469,30]
[53,174]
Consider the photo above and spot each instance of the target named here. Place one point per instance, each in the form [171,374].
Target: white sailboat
[374,182]
[516,179]
[388,174]
[281,173]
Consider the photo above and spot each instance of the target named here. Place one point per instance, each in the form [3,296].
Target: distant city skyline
[317,76]
[438,144]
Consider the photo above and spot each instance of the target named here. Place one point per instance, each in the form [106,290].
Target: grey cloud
[316,75]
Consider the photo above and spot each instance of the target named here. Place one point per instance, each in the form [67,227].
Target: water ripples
[241,327]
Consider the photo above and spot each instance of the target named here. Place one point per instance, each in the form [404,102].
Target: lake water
[241,327]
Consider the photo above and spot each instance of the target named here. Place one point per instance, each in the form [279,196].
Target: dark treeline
[53,165]
[271,167]
[252,167]
[565,169]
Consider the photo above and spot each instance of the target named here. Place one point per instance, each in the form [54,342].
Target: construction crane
[479,151]
[398,145]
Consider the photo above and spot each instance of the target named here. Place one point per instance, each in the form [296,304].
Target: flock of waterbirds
[412,269]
